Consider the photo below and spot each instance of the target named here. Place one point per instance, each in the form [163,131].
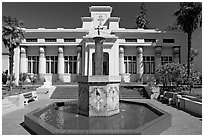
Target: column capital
[79,48]
[42,49]
[23,49]
[139,50]
[158,50]
[98,39]
[23,60]
[176,49]
[60,49]
[121,49]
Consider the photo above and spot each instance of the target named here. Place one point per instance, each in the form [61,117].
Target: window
[130,64]
[168,40]
[69,40]
[149,40]
[130,40]
[50,40]
[70,64]
[51,64]
[31,40]
[166,59]
[148,63]
[33,64]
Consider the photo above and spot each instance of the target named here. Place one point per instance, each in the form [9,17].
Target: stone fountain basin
[147,120]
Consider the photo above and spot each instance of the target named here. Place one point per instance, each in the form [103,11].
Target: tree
[12,36]
[142,21]
[189,18]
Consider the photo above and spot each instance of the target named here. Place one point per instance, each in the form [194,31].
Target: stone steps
[65,92]
[71,92]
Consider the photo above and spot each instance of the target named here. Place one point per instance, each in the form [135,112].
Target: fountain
[98,94]
[98,109]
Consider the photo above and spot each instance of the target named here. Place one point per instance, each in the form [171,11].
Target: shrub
[176,75]
[171,74]
[195,77]
[22,77]
[33,78]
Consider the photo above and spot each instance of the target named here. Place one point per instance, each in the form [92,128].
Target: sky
[68,15]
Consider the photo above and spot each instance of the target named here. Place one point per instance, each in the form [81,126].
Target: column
[176,54]
[23,61]
[157,60]
[42,63]
[16,66]
[140,68]
[60,64]
[98,55]
[78,60]
[157,56]
[121,61]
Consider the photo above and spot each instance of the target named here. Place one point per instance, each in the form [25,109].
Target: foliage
[176,75]
[4,77]
[12,35]
[142,21]
[189,16]
[16,90]
[194,79]
[11,76]
[171,73]
[33,78]
[10,83]
[22,77]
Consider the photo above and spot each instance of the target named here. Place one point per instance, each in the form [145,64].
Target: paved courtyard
[182,122]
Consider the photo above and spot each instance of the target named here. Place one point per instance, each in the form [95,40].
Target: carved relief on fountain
[113,97]
[97,99]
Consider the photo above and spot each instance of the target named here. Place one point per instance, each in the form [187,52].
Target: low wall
[192,106]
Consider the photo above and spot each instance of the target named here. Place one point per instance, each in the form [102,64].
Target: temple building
[62,54]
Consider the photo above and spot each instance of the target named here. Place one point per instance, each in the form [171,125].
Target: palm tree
[142,21]
[12,35]
[189,18]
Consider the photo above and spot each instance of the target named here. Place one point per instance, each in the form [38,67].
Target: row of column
[140,70]
[42,62]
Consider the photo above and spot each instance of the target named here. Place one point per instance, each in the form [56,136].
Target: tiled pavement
[182,122]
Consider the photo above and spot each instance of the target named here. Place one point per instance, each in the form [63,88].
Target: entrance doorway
[105,63]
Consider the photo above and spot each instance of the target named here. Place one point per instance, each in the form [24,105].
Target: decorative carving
[97,98]
[100,19]
[99,28]
[113,98]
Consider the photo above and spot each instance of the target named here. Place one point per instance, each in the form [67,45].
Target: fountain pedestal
[98,95]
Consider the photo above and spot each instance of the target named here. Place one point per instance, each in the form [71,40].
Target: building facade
[62,54]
